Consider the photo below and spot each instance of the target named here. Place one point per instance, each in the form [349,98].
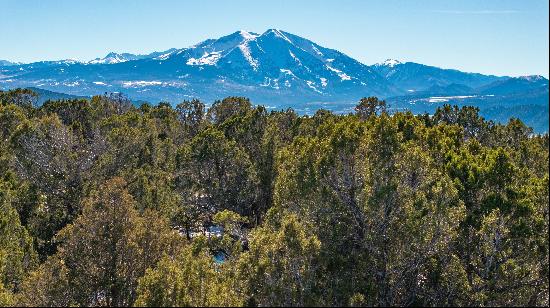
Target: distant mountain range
[7,63]
[45,95]
[279,69]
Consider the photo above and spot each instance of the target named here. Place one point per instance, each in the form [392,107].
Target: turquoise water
[219,257]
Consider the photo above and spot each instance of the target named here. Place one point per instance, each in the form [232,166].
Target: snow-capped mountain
[113,57]
[271,67]
[284,62]
[389,63]
[274,68]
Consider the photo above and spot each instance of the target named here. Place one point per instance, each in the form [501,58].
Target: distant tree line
[106,204]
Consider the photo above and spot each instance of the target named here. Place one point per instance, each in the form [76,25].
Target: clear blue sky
[490,36]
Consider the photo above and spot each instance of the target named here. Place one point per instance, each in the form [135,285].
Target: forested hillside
[106,204]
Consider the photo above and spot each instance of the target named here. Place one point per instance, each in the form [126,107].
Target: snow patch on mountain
[71,84]
[317,50]
[70,62]
[288,72]
[343,76]
[443,99]
[390,63]
[294,57]
[207,59]
[111,58]
[164,56]
[311,84]
[140,83]
[278,34]
[248,55]
[271,83]
[248,35]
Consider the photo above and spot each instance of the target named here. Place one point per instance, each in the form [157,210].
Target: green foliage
[370,106]
[280,267]
[103,253]
[227,108]
[191,115]
[192,278]
[215,174]
[6,297]
[20,97]
[17,255]
[106,204]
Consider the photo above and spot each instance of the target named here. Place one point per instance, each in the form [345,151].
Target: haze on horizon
[490,37]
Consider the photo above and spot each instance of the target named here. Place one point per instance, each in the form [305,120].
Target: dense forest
[103,203]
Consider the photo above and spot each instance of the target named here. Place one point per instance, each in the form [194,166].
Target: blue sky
[490,36]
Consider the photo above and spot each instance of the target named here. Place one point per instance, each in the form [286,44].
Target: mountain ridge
[274,63]
[275,68]
[273,60]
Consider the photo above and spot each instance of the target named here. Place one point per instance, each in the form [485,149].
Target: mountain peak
[110,58]
[272,30]
[244,62]
[237,35]
[276,33]
[532,78]
[248,35]
[390,62]
[70,61]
